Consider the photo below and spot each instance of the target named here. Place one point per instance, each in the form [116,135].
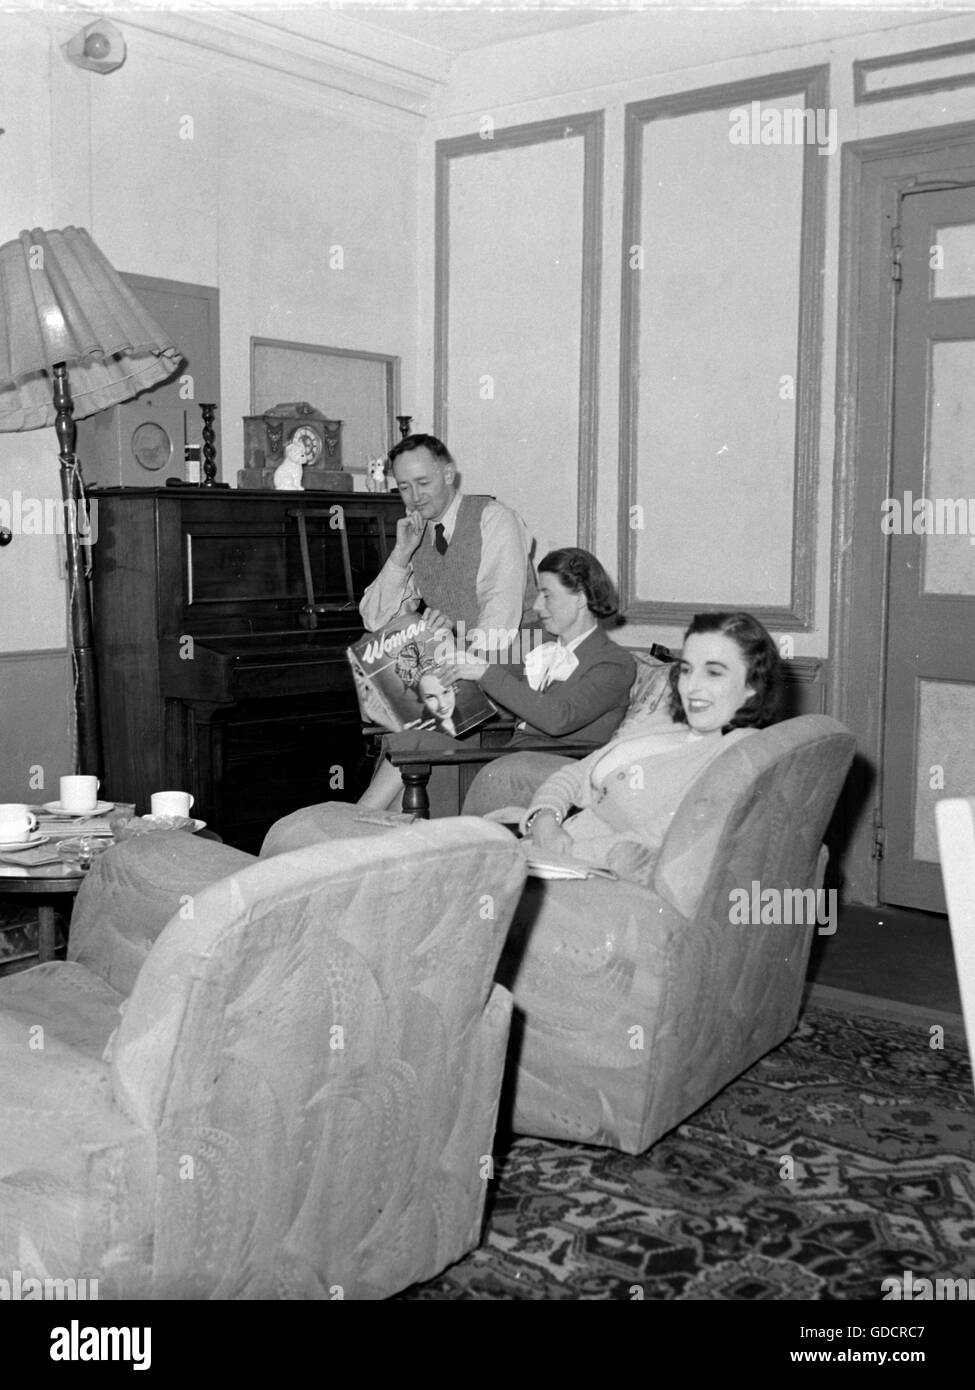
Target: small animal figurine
[376,475]
[287,475]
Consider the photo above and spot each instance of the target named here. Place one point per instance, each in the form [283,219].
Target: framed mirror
[359,388]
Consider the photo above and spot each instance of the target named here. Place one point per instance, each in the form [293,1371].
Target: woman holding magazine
[574,687]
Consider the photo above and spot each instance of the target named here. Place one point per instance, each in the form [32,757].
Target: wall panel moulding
[921,70]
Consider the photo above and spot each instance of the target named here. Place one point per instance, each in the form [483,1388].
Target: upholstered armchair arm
[132,891]
[592,966]
[610,980]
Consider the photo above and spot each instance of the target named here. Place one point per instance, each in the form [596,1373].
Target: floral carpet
[844,1157]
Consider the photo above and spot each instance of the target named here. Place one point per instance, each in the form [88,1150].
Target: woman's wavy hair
[581,572]
[762,665]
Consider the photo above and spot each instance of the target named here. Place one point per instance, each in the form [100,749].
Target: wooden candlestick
[209,452]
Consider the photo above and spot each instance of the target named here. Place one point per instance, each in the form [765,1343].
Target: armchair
[298,1096]
[635,1006]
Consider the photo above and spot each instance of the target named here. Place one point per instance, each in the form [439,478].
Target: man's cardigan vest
[449,582]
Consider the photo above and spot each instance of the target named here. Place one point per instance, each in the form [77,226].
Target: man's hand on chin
[409,530]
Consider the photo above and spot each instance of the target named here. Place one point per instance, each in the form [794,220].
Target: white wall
[188,176]
[274,175]
[603,66]
[186,169]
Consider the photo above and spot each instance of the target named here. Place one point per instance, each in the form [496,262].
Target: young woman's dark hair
[438,449]
[581,572]
[762,664]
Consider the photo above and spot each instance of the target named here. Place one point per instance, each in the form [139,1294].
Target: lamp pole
[89,755]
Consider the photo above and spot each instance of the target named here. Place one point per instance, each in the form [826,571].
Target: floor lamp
[73,340]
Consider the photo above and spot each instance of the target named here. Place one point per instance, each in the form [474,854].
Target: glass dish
[82,849]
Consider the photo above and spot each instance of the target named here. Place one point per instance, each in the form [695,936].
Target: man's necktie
[439,539]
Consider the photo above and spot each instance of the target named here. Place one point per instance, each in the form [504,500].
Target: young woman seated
[614,807]
[573,687]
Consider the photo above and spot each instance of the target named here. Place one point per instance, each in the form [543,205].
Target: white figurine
[376,475]
[287,475]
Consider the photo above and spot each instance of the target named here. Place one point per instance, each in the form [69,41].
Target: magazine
[544,865]
[399,667]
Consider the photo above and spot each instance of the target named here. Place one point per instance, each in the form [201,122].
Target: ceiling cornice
[345,58]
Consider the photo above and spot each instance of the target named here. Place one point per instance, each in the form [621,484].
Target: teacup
[17,823]
[79,794]
[170,803]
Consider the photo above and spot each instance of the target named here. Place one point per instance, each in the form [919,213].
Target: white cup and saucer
[170,805]
[79,797]
[18,826]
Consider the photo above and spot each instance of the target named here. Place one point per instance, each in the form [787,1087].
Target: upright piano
[221,622]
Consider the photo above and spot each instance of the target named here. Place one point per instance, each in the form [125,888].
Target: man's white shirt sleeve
[501,574]
[392,594]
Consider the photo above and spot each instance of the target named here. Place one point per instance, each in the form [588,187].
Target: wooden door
[191,314]
[107,441]
[929,721]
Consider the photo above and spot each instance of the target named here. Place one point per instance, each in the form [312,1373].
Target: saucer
[157,823]
[128,827]
[35,838]
[99,809]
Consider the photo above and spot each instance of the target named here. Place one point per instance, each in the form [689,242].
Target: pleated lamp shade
[61,301]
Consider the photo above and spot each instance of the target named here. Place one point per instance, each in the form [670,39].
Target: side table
[47,881]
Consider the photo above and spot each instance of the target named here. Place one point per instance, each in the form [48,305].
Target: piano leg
[205,759]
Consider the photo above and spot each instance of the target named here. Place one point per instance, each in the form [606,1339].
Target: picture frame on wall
[360,389]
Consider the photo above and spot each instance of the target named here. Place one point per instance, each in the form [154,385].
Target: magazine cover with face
[397,672]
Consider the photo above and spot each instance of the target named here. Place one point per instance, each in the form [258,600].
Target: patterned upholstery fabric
[301,1092]
[649,706]
[635,1006]
[129,896]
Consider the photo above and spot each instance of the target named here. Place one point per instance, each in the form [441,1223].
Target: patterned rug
[844,1157]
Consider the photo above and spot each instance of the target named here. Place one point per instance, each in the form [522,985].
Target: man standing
[465,557]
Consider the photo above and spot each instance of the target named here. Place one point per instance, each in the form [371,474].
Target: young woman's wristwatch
[551,810]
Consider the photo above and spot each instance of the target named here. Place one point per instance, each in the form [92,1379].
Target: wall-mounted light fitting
[99,47]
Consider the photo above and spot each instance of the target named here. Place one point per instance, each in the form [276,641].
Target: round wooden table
[47,881]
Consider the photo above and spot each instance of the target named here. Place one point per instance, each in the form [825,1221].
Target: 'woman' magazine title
[401,667]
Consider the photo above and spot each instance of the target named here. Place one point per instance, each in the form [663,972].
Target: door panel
[929,730]
[948,561]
